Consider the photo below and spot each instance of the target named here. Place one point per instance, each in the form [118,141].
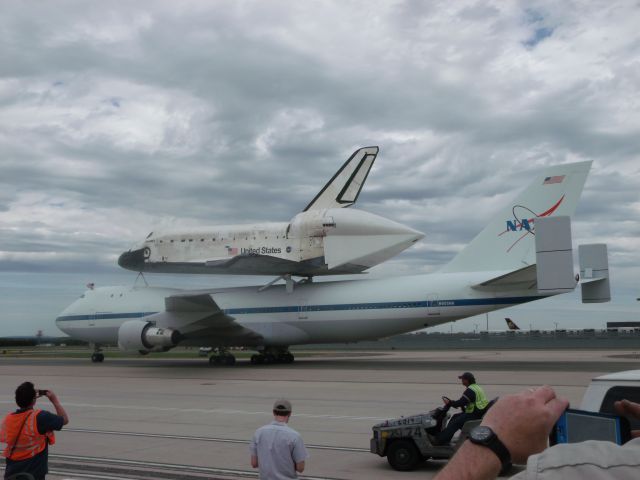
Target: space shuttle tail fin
[508,240]
[344,187]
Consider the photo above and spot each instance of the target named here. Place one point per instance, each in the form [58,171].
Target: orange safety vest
[30,442]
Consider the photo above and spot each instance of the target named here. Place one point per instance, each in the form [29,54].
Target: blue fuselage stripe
[326,308]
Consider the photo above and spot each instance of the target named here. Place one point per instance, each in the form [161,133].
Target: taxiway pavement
[164,418]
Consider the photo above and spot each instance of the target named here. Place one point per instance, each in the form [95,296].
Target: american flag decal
[231,250]
[552,180]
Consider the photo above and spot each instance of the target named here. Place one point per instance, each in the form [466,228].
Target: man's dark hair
[281,413]
[25,394]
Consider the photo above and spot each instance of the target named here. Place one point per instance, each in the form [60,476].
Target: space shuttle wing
[345,186]
[200,317]
[253,265]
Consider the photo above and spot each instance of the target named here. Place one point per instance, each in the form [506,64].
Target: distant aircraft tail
[511,324]
[508,240]
[344,188]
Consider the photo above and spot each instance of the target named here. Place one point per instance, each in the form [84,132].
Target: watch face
[481,434]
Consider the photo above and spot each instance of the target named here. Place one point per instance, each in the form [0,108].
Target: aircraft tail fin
[508,240]
[511,324]
[344,187]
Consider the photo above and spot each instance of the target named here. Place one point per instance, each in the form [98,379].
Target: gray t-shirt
[591,460]
[278,448]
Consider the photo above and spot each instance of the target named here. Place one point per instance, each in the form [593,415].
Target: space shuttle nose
[132,260]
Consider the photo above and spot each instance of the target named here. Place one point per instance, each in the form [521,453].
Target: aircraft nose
[132,260]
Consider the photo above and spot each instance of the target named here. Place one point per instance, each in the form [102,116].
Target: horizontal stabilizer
[524,278]
[554,255]
[594,273]
[344,188]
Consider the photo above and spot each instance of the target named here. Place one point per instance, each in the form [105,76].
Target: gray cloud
[116,120]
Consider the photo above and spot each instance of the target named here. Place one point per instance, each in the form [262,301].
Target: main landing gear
[97,356]
[221,356]
[271,356]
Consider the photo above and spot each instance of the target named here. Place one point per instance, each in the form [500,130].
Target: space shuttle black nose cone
[132,260]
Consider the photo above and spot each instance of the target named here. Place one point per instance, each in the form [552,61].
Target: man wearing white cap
[277,449]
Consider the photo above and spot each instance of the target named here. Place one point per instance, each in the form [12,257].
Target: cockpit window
[149,236]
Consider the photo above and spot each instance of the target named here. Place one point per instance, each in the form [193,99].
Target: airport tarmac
[166,418]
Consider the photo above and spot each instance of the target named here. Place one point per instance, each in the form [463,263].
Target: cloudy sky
[118,119]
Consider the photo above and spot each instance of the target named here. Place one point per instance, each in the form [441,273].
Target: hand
[52,396]
[630,410]
[523,421]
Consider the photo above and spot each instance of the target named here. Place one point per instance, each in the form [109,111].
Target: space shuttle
[326,238]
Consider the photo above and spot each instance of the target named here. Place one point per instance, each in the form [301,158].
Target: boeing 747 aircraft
[523,254]
[324,239]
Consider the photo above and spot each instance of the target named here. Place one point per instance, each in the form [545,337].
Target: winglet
[344,188]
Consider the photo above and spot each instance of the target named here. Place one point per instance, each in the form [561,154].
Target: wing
[344,188]
[268,265]
[201,321]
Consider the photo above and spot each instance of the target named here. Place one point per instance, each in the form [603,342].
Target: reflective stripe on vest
[30,442]
[481,399]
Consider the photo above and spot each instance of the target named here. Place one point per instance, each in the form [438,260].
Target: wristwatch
[486,437]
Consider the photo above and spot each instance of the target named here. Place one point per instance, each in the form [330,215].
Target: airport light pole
[476,331]
[487,314]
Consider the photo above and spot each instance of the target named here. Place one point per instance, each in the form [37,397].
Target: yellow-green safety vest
[481,399]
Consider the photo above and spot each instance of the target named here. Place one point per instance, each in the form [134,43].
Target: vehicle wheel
[212,360]
[94,357]
[403,455]
[290,358]
[100,357]
[268,359]
[229,360]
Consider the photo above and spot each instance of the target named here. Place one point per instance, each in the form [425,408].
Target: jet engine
[144,337]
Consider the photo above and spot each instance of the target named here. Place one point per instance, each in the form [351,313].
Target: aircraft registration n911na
[523,254]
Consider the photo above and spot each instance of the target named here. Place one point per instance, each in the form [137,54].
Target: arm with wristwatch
[516,427]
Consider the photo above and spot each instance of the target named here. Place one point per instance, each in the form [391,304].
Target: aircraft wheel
[94,358]
[100,357]
[229,360]
[212,360]
[257,359]
[403,455]
[290,358]
[269,359]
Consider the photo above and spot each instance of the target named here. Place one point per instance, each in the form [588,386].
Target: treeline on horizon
[35,341]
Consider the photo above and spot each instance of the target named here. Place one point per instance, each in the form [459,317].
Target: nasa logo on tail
[521,223]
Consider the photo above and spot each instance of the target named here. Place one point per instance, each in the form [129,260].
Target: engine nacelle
[138,335]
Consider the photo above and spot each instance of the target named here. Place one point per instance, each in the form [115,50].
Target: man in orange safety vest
[28,432]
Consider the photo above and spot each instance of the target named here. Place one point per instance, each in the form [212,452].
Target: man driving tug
[473,402]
